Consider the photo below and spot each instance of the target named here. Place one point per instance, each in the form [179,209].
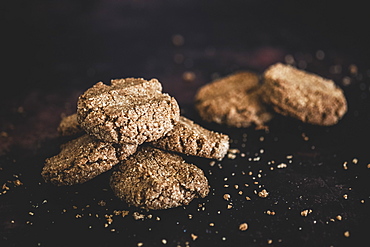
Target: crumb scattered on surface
[243,226]
[263,193]
[306,212]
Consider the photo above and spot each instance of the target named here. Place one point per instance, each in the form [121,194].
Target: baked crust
[155,179]
[190,138]
[303,95]
[233,100]
[130,110]
[82,159]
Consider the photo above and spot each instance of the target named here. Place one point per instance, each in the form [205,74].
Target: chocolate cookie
[233,100]
[130,110]
[83,159]
[69,126]
[190,138]
[302,95]
[155,179]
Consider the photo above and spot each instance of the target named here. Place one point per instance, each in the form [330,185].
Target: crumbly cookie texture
[155,179]
[233,100]
[303,95]
[130,110]
[186,137]
[190,138]
[69,126]
[83,159]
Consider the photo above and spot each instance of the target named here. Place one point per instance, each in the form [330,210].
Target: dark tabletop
[317,178]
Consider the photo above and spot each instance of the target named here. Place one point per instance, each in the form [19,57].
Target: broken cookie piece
[303,95]
[83,159]
[130,110]
[155,179]
[190,138]
[233,100]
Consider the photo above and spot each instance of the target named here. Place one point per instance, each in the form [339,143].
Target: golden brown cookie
[83,159]
[233,100]
[190,138]
[130,110]
[155,179]
[303,95]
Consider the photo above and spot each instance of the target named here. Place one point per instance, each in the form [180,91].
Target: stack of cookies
[245,98]
[135,127]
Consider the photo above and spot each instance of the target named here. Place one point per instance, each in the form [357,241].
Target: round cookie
[190,138]
[233,100]
[130,110]
[302,95]
[83,159]
[155,179]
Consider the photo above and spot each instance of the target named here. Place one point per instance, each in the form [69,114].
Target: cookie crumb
[102,203]
[282,165]
[226,197]
[193,236]
[243,226]
[346,234]
[270,212]
[306,212]
[138,216]
[345,167]
[263,193]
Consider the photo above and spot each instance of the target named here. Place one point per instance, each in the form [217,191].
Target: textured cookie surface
[83,159]
[233,100]
[69,126]
[305,96]
[155,179]
[130,110]
[190,138]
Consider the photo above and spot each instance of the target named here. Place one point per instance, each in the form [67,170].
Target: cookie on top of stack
[133,125]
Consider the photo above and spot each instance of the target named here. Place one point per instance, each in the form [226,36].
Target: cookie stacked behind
[233,100]
[240,100]
[113,121]
[302,95]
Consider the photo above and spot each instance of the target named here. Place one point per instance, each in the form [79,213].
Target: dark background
[54,50]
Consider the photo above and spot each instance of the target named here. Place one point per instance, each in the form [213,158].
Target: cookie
[303,95]
[190,138]
[155,179]
[233,100]
[130,110]
[69,126]
[83,159]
